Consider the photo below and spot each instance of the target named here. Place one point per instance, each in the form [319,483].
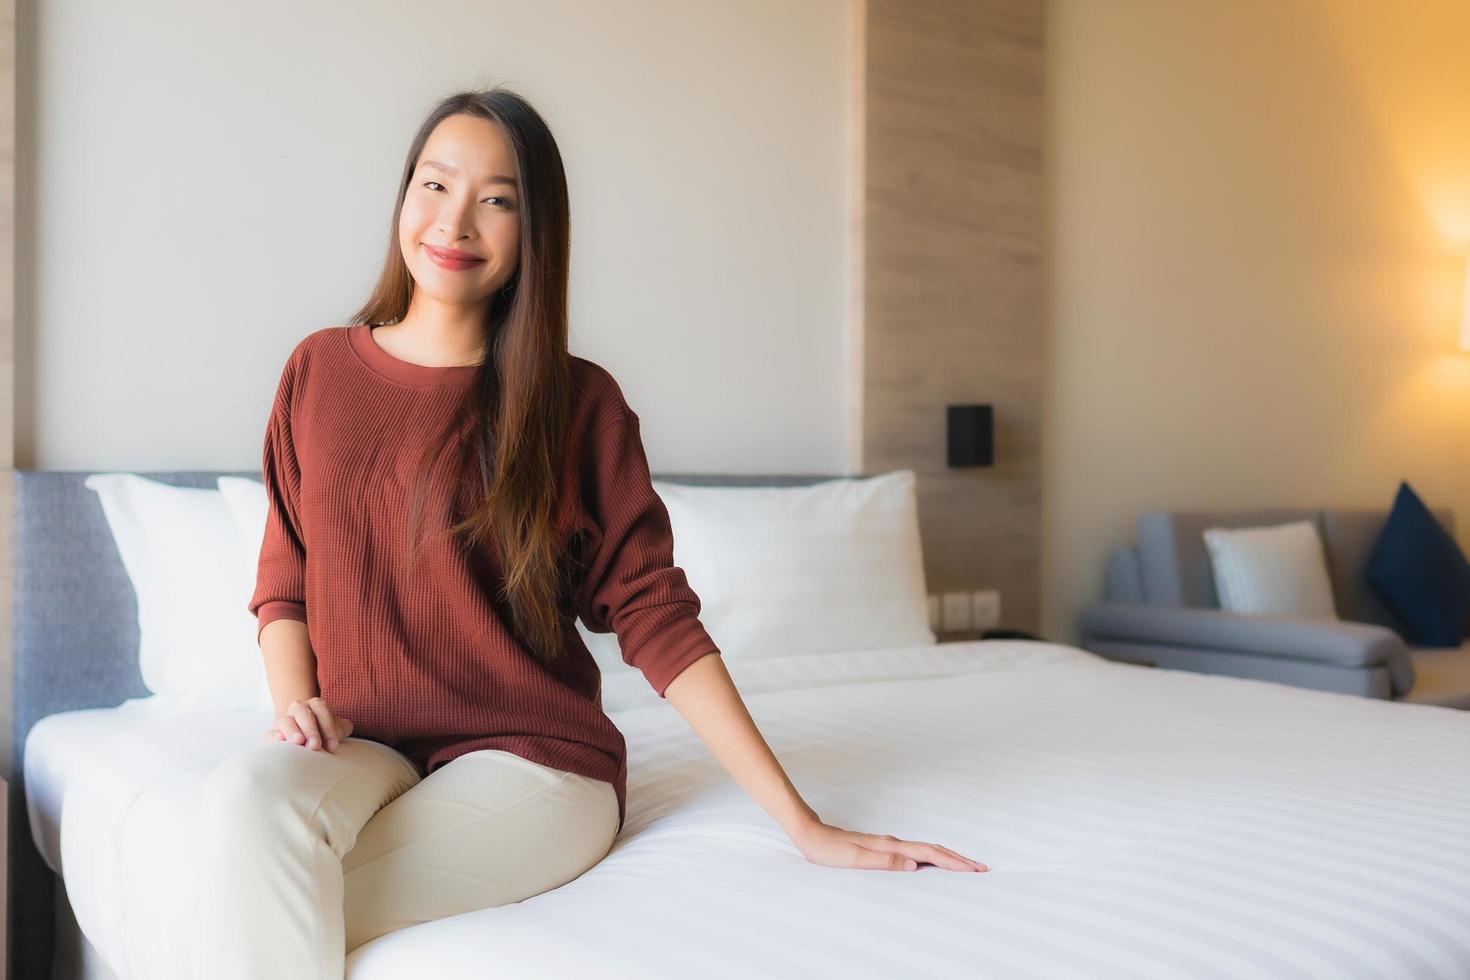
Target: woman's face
[464,196]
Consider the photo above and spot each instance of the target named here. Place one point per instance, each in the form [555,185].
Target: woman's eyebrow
[492,179]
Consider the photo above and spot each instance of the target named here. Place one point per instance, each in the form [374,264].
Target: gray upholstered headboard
[76,646]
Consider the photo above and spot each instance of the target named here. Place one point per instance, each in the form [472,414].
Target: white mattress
[1138,823]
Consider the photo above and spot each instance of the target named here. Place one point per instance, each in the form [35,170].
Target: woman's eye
[433,184]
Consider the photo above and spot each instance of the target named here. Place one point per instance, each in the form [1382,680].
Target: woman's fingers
[882,860]
[327,723]
[290,731]
[941,856]
[825,844]
[306,720]
[921,851]
[312,724]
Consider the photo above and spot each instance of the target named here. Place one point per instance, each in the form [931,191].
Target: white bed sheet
[1138,823]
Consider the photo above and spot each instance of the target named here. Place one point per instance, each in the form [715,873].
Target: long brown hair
[515,417]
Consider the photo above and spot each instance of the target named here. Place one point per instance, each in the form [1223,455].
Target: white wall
[207,183]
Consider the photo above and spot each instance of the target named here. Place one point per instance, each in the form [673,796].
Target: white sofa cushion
[1281,570]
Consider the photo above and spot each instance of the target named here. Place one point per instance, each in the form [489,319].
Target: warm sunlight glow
[1465,313]
[1412,81]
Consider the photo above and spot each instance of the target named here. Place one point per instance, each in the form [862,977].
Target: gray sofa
[1159,608]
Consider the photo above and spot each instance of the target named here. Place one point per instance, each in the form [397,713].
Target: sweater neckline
[378,360]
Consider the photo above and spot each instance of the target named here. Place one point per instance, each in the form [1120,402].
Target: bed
[1138,822]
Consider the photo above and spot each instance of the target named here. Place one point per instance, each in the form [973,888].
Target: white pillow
[182,554]
[605,649]
[248,506]
[1271,570]
[820,568]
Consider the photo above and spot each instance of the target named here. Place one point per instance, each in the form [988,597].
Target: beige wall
[1260,212]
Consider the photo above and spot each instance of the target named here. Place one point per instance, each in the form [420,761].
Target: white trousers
[303,855]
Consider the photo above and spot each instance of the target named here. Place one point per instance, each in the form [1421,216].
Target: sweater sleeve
[280,584]
[630,584]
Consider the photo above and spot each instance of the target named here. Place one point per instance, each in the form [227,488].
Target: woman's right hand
[310,723]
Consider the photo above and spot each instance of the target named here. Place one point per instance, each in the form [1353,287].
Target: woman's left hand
[834,847]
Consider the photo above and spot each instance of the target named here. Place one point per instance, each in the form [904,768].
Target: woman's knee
[270,771]
[437,862]
[600,828]
[290,781]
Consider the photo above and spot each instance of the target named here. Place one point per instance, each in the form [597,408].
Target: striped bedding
[1137,823]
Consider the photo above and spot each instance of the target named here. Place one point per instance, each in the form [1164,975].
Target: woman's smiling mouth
[452,258]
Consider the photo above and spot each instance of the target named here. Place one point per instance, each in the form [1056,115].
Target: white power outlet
[985,609]
[955,614]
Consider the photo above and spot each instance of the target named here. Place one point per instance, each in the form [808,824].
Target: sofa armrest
[1341,643]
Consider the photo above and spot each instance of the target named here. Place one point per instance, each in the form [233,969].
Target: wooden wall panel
[952,310]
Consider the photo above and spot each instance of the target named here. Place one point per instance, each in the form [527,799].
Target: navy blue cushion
[1421,574]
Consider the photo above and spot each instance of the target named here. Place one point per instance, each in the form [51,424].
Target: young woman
[448,488]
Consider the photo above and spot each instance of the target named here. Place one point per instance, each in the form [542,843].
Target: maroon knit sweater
[426,661]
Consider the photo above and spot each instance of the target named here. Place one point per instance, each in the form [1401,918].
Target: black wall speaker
[971,435]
